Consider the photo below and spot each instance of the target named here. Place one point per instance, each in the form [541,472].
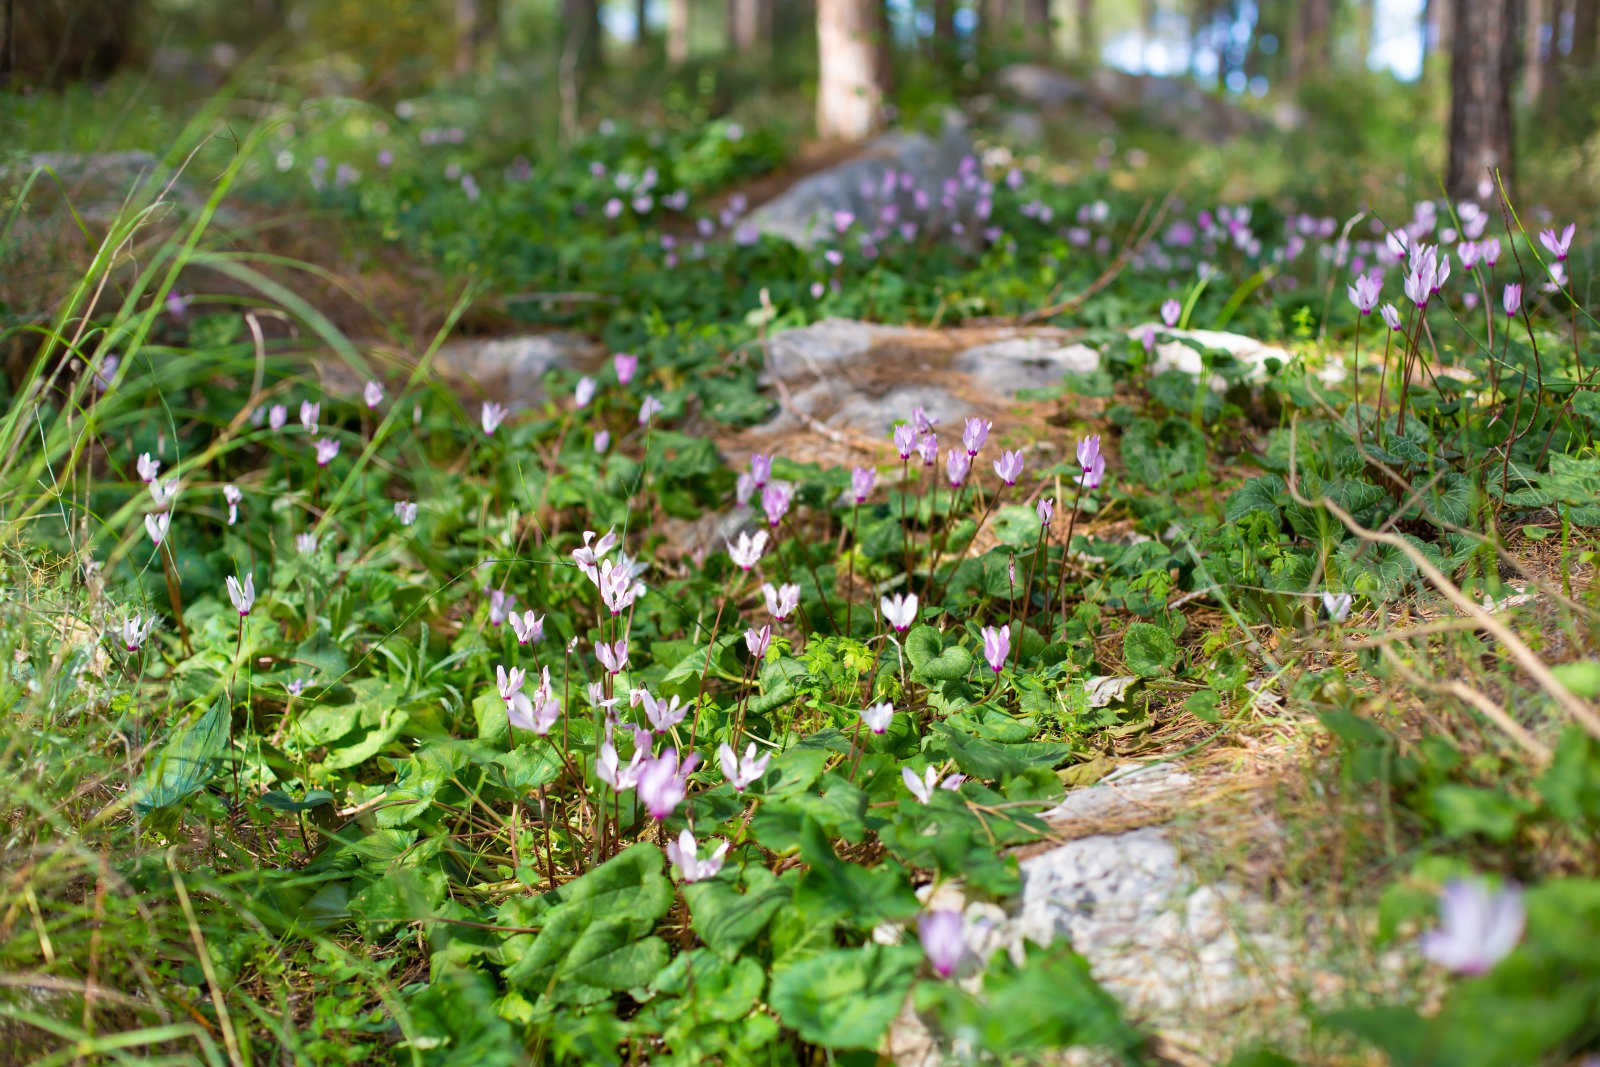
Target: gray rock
[1041,86]
[511,370]
[804,212]
[1026,362]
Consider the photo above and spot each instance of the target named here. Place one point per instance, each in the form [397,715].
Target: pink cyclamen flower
[747,551]
[1091,462]
[147,466]
[649,408]
[862,479]
[1337,605]
[928,449]
[602,441]
[610,770]
[277,415]
[1477,927]
[619,584]
[1046,510]
[613,657]
[877,717]
[741,771]
[177,304]
[1364,292]
[134,630]
[542,710]
[923,785]
[683,853]
[996,646]
[500,604]
[588,557]
[306,543]
[1511,299]
[775,501]
[519,708]
[976,432]
[781,600]
[1170,310]
[492,416]
[405,511]
[1489,250]
[1558,246]
[663,782]
[942,940]
[157,526]
[625,365]
[1009,467]
[760,470]
[309,414]
[372,394]
[233,496]
[327,448]
[1391,317]
[922,421]
[956,465]
[527,626]
[757,640]
[905,440]
[242,594]
[662,715]
[900,611]
[584,391]
[164,492]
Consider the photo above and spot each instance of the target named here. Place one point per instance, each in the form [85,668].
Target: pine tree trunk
[1037,14]
[1484,47]
[944,30]
[1088,34]
[677,31]
[641,23]
[477,27]
[994,23]
[850,77]
[744,24]
[1534,69]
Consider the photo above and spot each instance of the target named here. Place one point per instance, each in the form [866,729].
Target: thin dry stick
[217,1000]
[1526,658]
[1465,693]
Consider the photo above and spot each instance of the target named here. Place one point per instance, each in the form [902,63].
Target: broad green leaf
[1149,650]
[186,762]
[845,998]
[726,918]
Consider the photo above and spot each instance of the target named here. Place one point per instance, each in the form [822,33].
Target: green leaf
[863,895]
[991,760]
[845,998]
[1462,811]
[1149,650]
[931,661]
[186,763]
[727,919]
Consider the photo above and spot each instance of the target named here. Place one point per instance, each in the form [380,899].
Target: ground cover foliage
[390,726]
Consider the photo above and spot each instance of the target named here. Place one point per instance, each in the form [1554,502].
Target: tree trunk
[1484,47]
[1037,15]
[850,76]
[746,24]
[1317,16]
[1366,20]
[1441,25]
[580,55]
[944,30]
[641,23]
[994,23]
[677,31]
[1088,35]
[1585,28]
[477,27]
[1534,63]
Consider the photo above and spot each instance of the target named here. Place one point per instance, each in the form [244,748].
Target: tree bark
[1037,15]
[1484,47]
[1088,33]
[1534,63]
[994,23]
[677,31]
[746,20]
[641,23]
[851,72]
[580,56]
[944,30]
[1585,28]
[477,27]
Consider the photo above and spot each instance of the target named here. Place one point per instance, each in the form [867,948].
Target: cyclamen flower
[905,440]
[1364,292]
[775,501]
[500,603]
[740,772]
[976,432]
[372,394]
[308,415]
[1046,510]
[1558,246]
[277,415]
[1489,250]
[1170,310]
[747,551]
[942,941]
[649,409]
[922,421]
[1477,928]
[584,392]
[327,448]
[613,657]
[177,304]
[1091,462]
[147,466]
[618,586]
[996,646]
[231,494]
[877,716]
[1337,605]
[663,782]
[543,708]
[760,469]
[519,708]
[663,715]
[609,769]
[306,543]
[1009,467]
[900,611]
[781,600]
[1391,317]
[862,479]
[928,449]
[405,511]
[588,557]
[242,595]
[758,640]
[922,786]
[492,416]
[1511,299]
[956,465]
[157,526]
[744,487]
[163,492]
[527,626]
[625,366]
[134,630]
[295,686]
[682,853]
[602,440]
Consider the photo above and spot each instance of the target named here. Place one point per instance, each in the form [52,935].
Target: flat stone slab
[511,370]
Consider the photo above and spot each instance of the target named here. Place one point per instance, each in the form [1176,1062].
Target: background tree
[477,28]
[678,20]
[851,73]
[1484,47]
